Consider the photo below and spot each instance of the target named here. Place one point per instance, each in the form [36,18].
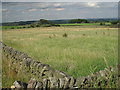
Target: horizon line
[56,19]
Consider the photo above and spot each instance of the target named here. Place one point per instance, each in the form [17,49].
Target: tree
[114,22]
[32,25]
[43,21]
[102,23]
[78,21]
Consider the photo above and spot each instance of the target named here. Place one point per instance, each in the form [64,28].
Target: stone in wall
[19,85]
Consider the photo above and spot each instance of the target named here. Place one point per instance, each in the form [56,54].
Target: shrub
[46,25]
[50,37]
[12,28]
[24,27]
[65,35]
[57,25]
[32,25]
[84,34]
[114,22]
[37,25]
[102,23]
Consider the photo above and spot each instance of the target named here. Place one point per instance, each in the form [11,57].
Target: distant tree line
[78,21]
[18,23]
[115,22]
[50,23]
[43,23]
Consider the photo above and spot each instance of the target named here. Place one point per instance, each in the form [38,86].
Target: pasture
[86,24]
[80,24]
[81,52]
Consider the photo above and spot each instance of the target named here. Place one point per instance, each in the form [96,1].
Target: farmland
[61,45]
[83,24]
[82,52]
[13,27]
[106,24]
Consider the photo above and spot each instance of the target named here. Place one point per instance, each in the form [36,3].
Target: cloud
[60,0]
[5,10]
[44,9]
[92,4]
[57,4]
[16,11]
[59,9]
[48,6]
[32,10]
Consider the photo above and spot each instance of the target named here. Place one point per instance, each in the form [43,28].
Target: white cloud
[5,10]
[92,4]
[32,10]
[60,0]
[41,5]
[59,9]
[57,4]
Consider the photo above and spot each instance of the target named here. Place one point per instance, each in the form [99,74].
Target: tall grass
[10,74]
[77,54]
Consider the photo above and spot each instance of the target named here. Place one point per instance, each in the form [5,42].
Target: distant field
[12,27]
[72,24]
[82,24]
[83,51]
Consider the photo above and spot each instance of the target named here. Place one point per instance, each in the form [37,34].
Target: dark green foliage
[33,25]
[114,22]
[84,34]
[65,35]
[43,21]
[57,25]
[12,27]
[24,27]
[37,25]
[102,23]
[46,25]
[78,21]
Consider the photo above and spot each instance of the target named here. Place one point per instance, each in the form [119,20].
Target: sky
[27,11]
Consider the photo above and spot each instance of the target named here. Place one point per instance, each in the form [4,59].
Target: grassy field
[69,24]
[82,52]
[84,24]
[12,27]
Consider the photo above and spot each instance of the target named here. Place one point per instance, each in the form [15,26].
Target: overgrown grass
[83,51]
[10,74]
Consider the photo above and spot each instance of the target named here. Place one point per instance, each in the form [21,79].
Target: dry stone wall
[44,76]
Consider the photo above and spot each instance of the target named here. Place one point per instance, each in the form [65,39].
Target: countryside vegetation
[79,47]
